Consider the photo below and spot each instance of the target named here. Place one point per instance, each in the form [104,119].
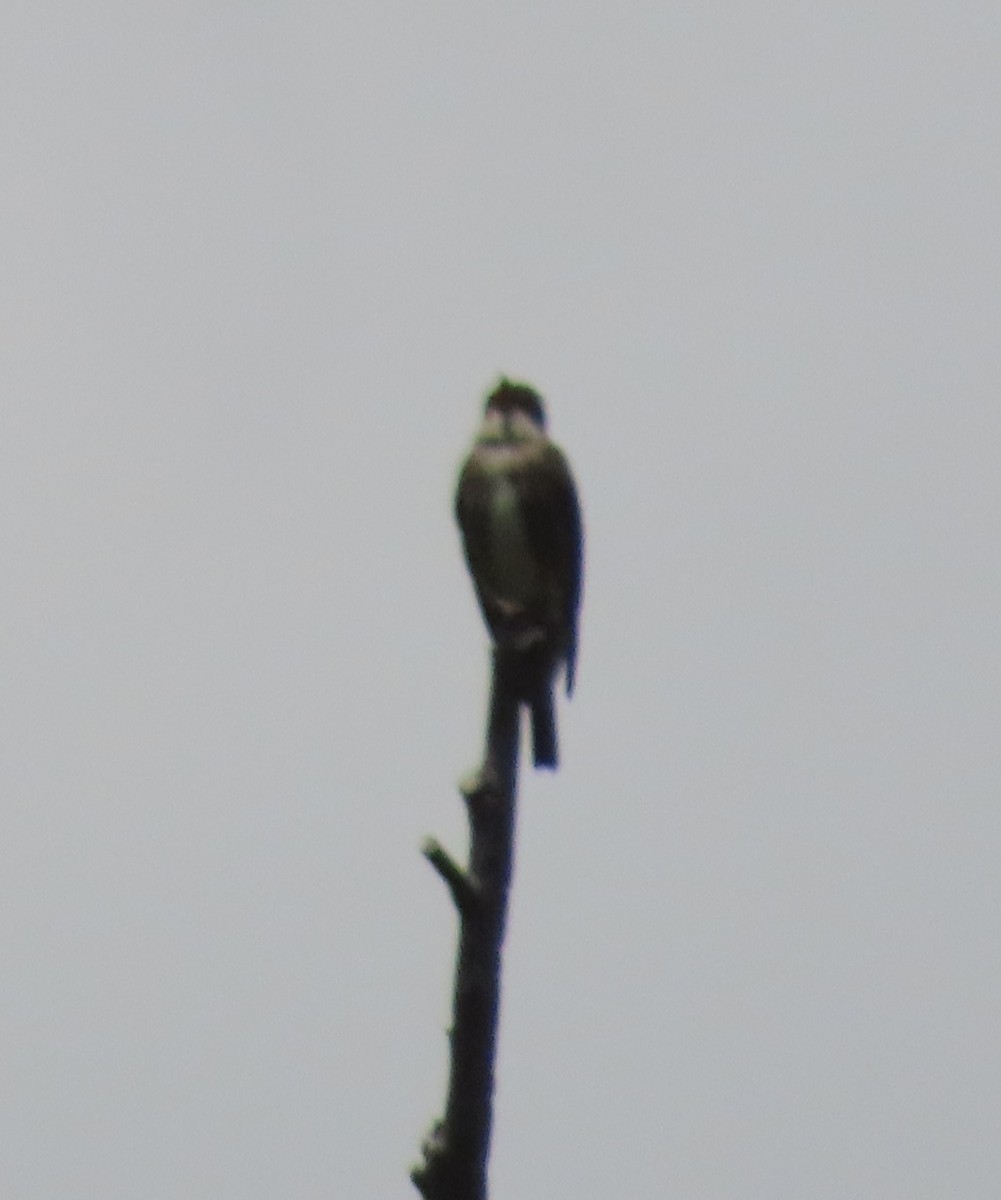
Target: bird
[519,515]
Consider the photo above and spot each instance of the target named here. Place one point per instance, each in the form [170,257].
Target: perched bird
[517,509]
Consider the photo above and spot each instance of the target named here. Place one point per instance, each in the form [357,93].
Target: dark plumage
[517,508]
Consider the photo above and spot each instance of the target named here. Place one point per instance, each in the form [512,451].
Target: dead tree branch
[456,1149]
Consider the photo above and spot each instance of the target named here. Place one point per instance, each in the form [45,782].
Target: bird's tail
[544,748]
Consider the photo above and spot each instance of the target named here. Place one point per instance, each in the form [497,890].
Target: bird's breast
[513,565]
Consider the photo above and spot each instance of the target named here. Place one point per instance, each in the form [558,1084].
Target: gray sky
[259,264]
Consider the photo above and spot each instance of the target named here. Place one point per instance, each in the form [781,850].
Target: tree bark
[456,1148]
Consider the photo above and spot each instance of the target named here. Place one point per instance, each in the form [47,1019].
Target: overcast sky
[260,263]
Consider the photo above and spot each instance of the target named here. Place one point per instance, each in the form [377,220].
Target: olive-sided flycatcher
[521,530]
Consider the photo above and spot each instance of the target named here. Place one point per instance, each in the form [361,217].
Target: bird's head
[513,412]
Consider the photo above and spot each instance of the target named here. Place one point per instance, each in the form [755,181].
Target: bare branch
[459,884]
[456,1148]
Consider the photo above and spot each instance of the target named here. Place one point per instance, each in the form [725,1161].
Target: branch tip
[482,786]
[458,882]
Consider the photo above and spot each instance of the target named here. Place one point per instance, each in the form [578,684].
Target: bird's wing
[472,511]
[554,527]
